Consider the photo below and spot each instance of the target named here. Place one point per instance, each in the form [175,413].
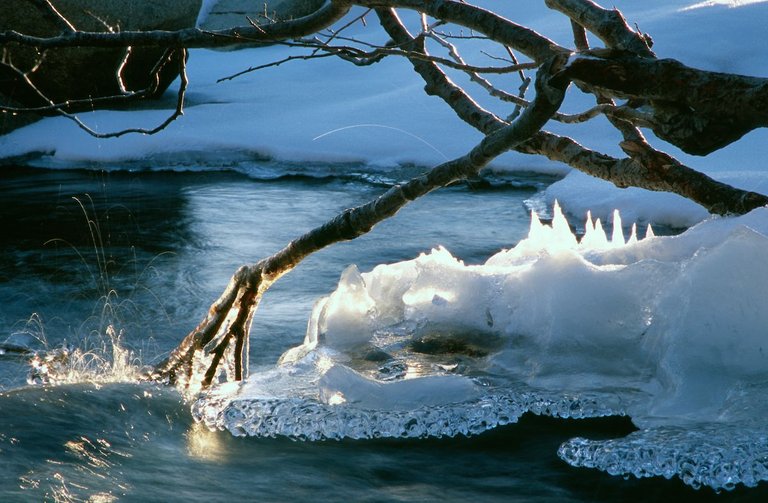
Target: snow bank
[667,330]
[330,111]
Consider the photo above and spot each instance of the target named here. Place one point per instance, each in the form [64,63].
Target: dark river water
[142,254]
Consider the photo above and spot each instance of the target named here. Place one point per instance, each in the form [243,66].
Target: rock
[10,120]
[83,73]
[223,14]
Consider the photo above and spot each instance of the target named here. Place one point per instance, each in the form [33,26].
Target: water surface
[146,252]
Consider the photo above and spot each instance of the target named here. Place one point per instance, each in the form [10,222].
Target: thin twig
[625,113]
[57,16]
[364,58]
[474,76]
[60,108]
[525,81]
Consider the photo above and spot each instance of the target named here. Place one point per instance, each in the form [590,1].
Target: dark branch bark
[696,110]
[331,12]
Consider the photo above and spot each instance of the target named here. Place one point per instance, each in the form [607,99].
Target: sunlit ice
[560,236]
[667,330]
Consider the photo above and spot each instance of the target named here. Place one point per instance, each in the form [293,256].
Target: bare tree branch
[61,108]
[474,74]
[537,47]
[365,58]
[437,83]
[684,105]
[609,25]
[229,318]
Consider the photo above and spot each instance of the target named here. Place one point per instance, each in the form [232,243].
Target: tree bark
[696,110]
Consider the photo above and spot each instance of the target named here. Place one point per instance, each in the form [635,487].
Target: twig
[56,16]
[474,76]
[525,81]
[364,58]
[60,107]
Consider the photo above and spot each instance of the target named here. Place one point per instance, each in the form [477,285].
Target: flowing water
[101,271]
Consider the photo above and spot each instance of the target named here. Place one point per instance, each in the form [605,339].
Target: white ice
[668,330]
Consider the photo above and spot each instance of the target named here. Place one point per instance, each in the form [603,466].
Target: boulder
[223,14]
[82,73]
[13,120]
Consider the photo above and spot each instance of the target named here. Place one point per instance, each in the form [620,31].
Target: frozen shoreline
[331,111]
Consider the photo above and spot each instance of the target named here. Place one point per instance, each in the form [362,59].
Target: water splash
[106,362]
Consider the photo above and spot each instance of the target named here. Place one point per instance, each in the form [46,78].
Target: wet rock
[83,73]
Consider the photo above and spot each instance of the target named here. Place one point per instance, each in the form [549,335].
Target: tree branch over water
[227,326]
[696,110]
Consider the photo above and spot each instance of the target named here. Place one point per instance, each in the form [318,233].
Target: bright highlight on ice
[559,235]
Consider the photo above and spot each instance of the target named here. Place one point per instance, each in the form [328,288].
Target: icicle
[561,231]
[600,239]
[588,239]
[617,237]
[536,232]
[633,235]
[649,232]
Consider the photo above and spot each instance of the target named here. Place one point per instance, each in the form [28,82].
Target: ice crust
[715,455]
[667,330]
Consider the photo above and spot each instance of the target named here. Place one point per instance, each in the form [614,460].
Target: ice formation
[667,330]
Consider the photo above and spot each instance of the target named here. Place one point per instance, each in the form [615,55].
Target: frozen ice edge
[715,455]
[312,420]
[314,395]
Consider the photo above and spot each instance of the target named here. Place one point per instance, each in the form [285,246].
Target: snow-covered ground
[329,110]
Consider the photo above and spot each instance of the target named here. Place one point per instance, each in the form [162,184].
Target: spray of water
[99,353]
